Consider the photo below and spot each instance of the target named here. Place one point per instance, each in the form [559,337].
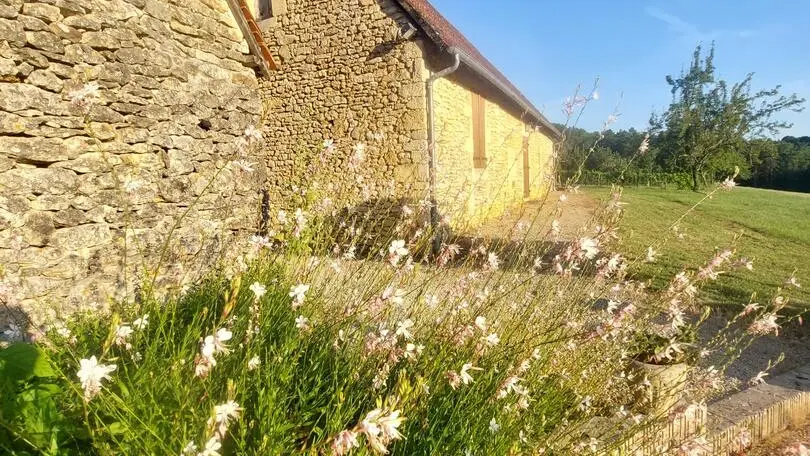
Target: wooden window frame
[264,10]
[479,129]
[268,11]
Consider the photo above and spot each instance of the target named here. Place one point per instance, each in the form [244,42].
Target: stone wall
[87,203]
[345,76]
[475,194]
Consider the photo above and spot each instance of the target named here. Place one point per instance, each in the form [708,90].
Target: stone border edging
[763,411]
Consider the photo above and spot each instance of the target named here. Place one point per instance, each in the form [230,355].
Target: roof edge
[253,35]
[473,63]
[508,91]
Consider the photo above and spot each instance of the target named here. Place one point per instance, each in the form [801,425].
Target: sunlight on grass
[769,227]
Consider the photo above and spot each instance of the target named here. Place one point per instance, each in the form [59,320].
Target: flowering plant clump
[335,332]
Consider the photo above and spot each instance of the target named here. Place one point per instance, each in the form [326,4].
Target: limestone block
[46,80]
[7,68]
[82,236]
[46,41]
[43,150]
[178,162]
[83,53]
[6,163]
[69,217]
[48,13]
[51,202]
[91,162]
[101,40]
[13,32]
[20,181]
[85,22]
[10,10]
[38,228]
[19,97]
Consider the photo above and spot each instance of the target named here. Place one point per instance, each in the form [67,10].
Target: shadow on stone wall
[15,324]
[382,221]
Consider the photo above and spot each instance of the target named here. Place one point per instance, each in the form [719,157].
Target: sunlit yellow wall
[472,195]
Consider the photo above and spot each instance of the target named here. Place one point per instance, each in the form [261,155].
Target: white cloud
[691,32]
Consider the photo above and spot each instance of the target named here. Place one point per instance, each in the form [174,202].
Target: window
[264,9]
[479,131]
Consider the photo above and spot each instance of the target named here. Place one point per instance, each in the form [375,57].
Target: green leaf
[117,428]
[22,361]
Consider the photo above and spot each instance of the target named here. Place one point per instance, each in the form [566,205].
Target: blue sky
[547,48]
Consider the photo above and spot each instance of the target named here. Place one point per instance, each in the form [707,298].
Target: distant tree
[762,159]
[705,127]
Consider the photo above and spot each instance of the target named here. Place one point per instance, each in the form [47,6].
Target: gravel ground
[793,341]
[785,443]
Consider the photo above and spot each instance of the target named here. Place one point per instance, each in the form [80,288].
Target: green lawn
[771,228]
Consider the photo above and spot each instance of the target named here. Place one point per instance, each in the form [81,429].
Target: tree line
[712,129]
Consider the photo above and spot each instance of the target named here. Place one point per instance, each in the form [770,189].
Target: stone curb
[763,411]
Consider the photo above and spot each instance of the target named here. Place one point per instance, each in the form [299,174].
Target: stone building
[94,196]
[396,76]
[89,203]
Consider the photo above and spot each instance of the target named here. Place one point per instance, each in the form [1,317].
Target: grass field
[771,228]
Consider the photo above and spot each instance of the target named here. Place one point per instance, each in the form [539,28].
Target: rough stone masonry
[87,201]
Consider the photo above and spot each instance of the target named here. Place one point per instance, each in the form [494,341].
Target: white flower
[122,333]
[651,254]
[223,415]
[298,293]
[394,294]
[494,426]
[585,404]
[759,379]
[64,331]
[413,351]
[131,185]
[190,448]
[645,145]
[464,375]
[244,165]
[358,155]
[344,442]
[253,134]
[258,290]
[481,323]
[491,340]
[595,95]
[380,429]
[141,323]
[555,227]
[302,323]
[793,282]
[403,329]
[589,247]
[212,447]
[282,217]
[389,424]
[215,344]
[260,241]
[398,248]
[254,363]
[765,325]
[86,95]
[492,261]
[91,373]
